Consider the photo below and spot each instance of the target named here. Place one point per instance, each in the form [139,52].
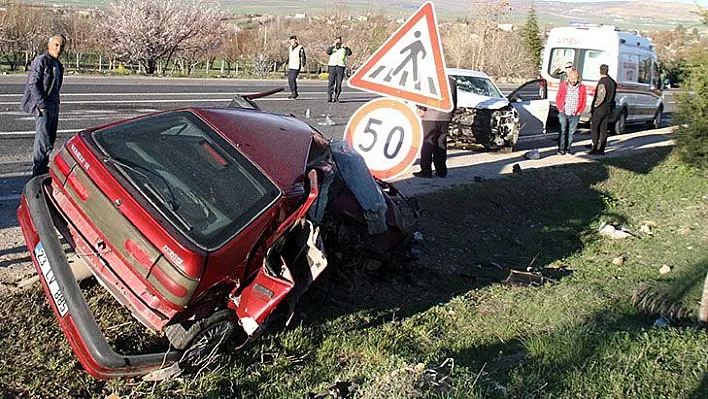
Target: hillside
[627,14]
[630,14]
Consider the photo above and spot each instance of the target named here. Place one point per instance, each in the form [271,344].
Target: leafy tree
[692,134]
[532,37]
[148,32]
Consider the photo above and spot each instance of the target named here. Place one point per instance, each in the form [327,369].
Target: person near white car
[570,101]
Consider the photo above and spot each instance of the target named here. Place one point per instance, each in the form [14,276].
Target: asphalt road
[96,101]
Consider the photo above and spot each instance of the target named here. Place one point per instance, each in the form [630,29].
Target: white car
[485,116]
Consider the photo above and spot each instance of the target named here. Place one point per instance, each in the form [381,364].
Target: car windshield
[477,85]
[194,177]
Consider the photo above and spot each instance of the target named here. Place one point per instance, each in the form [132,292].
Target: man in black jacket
[41,100]
[602,105]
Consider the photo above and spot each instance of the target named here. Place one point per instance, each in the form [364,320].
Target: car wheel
[621,122]
[199,339]
[656,122]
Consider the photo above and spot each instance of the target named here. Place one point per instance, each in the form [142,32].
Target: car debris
[439,378]
[338,390]
[206,223]
[614,232]
[533,154]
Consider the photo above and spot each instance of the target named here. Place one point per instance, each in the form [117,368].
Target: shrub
[692,116]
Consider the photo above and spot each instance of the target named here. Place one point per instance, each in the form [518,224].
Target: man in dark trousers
[41,100]
[338,54]
[436,125]
[296,61]
[602,105]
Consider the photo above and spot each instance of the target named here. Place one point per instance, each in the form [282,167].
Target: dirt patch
[15,262]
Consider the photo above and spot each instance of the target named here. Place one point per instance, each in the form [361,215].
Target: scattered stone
[619,261]
[665,269]
[683,230]
[647,227]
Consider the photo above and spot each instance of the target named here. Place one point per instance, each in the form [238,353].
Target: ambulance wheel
[656,121]
[621,122]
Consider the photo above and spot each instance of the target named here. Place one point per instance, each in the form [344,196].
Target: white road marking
[63,95]
[13,197]
[189,100]
[32,132]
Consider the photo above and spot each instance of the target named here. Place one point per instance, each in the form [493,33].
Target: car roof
[278,144]
[466,72]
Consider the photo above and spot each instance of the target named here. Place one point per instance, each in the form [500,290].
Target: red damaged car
[202,222]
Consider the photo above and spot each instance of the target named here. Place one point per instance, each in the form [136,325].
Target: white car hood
[471,100]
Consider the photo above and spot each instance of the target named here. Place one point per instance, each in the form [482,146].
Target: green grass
[578,338]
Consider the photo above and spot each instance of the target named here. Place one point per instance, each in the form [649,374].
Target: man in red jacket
[570,101]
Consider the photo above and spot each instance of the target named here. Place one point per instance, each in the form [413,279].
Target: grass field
[579,338]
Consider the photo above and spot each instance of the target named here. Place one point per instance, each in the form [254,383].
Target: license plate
[50,280]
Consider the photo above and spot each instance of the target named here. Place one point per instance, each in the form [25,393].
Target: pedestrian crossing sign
[410,65]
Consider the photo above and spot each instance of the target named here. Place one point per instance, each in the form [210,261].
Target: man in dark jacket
[602,105]
[436,125]
[41,100]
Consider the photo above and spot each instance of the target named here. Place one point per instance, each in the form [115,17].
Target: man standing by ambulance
[338,54]
[601,108]
[296,61]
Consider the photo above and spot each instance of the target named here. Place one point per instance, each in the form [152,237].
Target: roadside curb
[466,167]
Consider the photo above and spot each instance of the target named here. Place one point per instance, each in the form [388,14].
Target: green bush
[692,116]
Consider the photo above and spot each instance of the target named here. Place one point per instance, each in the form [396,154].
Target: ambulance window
[644,70]
[592,59]
[559,57]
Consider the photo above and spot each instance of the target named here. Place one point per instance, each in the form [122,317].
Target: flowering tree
[150,31]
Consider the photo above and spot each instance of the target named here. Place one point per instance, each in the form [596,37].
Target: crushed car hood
[471,100]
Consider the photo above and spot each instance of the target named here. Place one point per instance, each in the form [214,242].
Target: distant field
[625,14]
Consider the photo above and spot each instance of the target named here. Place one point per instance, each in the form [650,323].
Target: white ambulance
[632,61]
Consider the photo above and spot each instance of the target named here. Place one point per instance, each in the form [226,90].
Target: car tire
[658,116]
[621,123]
[218,327]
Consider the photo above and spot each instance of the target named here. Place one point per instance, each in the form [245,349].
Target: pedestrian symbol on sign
[410,65]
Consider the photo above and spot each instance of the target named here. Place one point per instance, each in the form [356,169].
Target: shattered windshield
[191,174]
[477,85]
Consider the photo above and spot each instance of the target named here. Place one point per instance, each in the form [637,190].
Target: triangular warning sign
[410,65]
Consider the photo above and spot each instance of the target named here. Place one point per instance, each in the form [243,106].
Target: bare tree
[149,31]
[25,33]
[81,33]
[202,47]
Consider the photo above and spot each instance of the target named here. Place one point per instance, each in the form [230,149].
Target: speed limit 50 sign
[388,134]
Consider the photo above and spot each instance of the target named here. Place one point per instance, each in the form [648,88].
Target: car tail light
[138,254]
[62,165]
[171,282]
[213,154]
[78,188]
